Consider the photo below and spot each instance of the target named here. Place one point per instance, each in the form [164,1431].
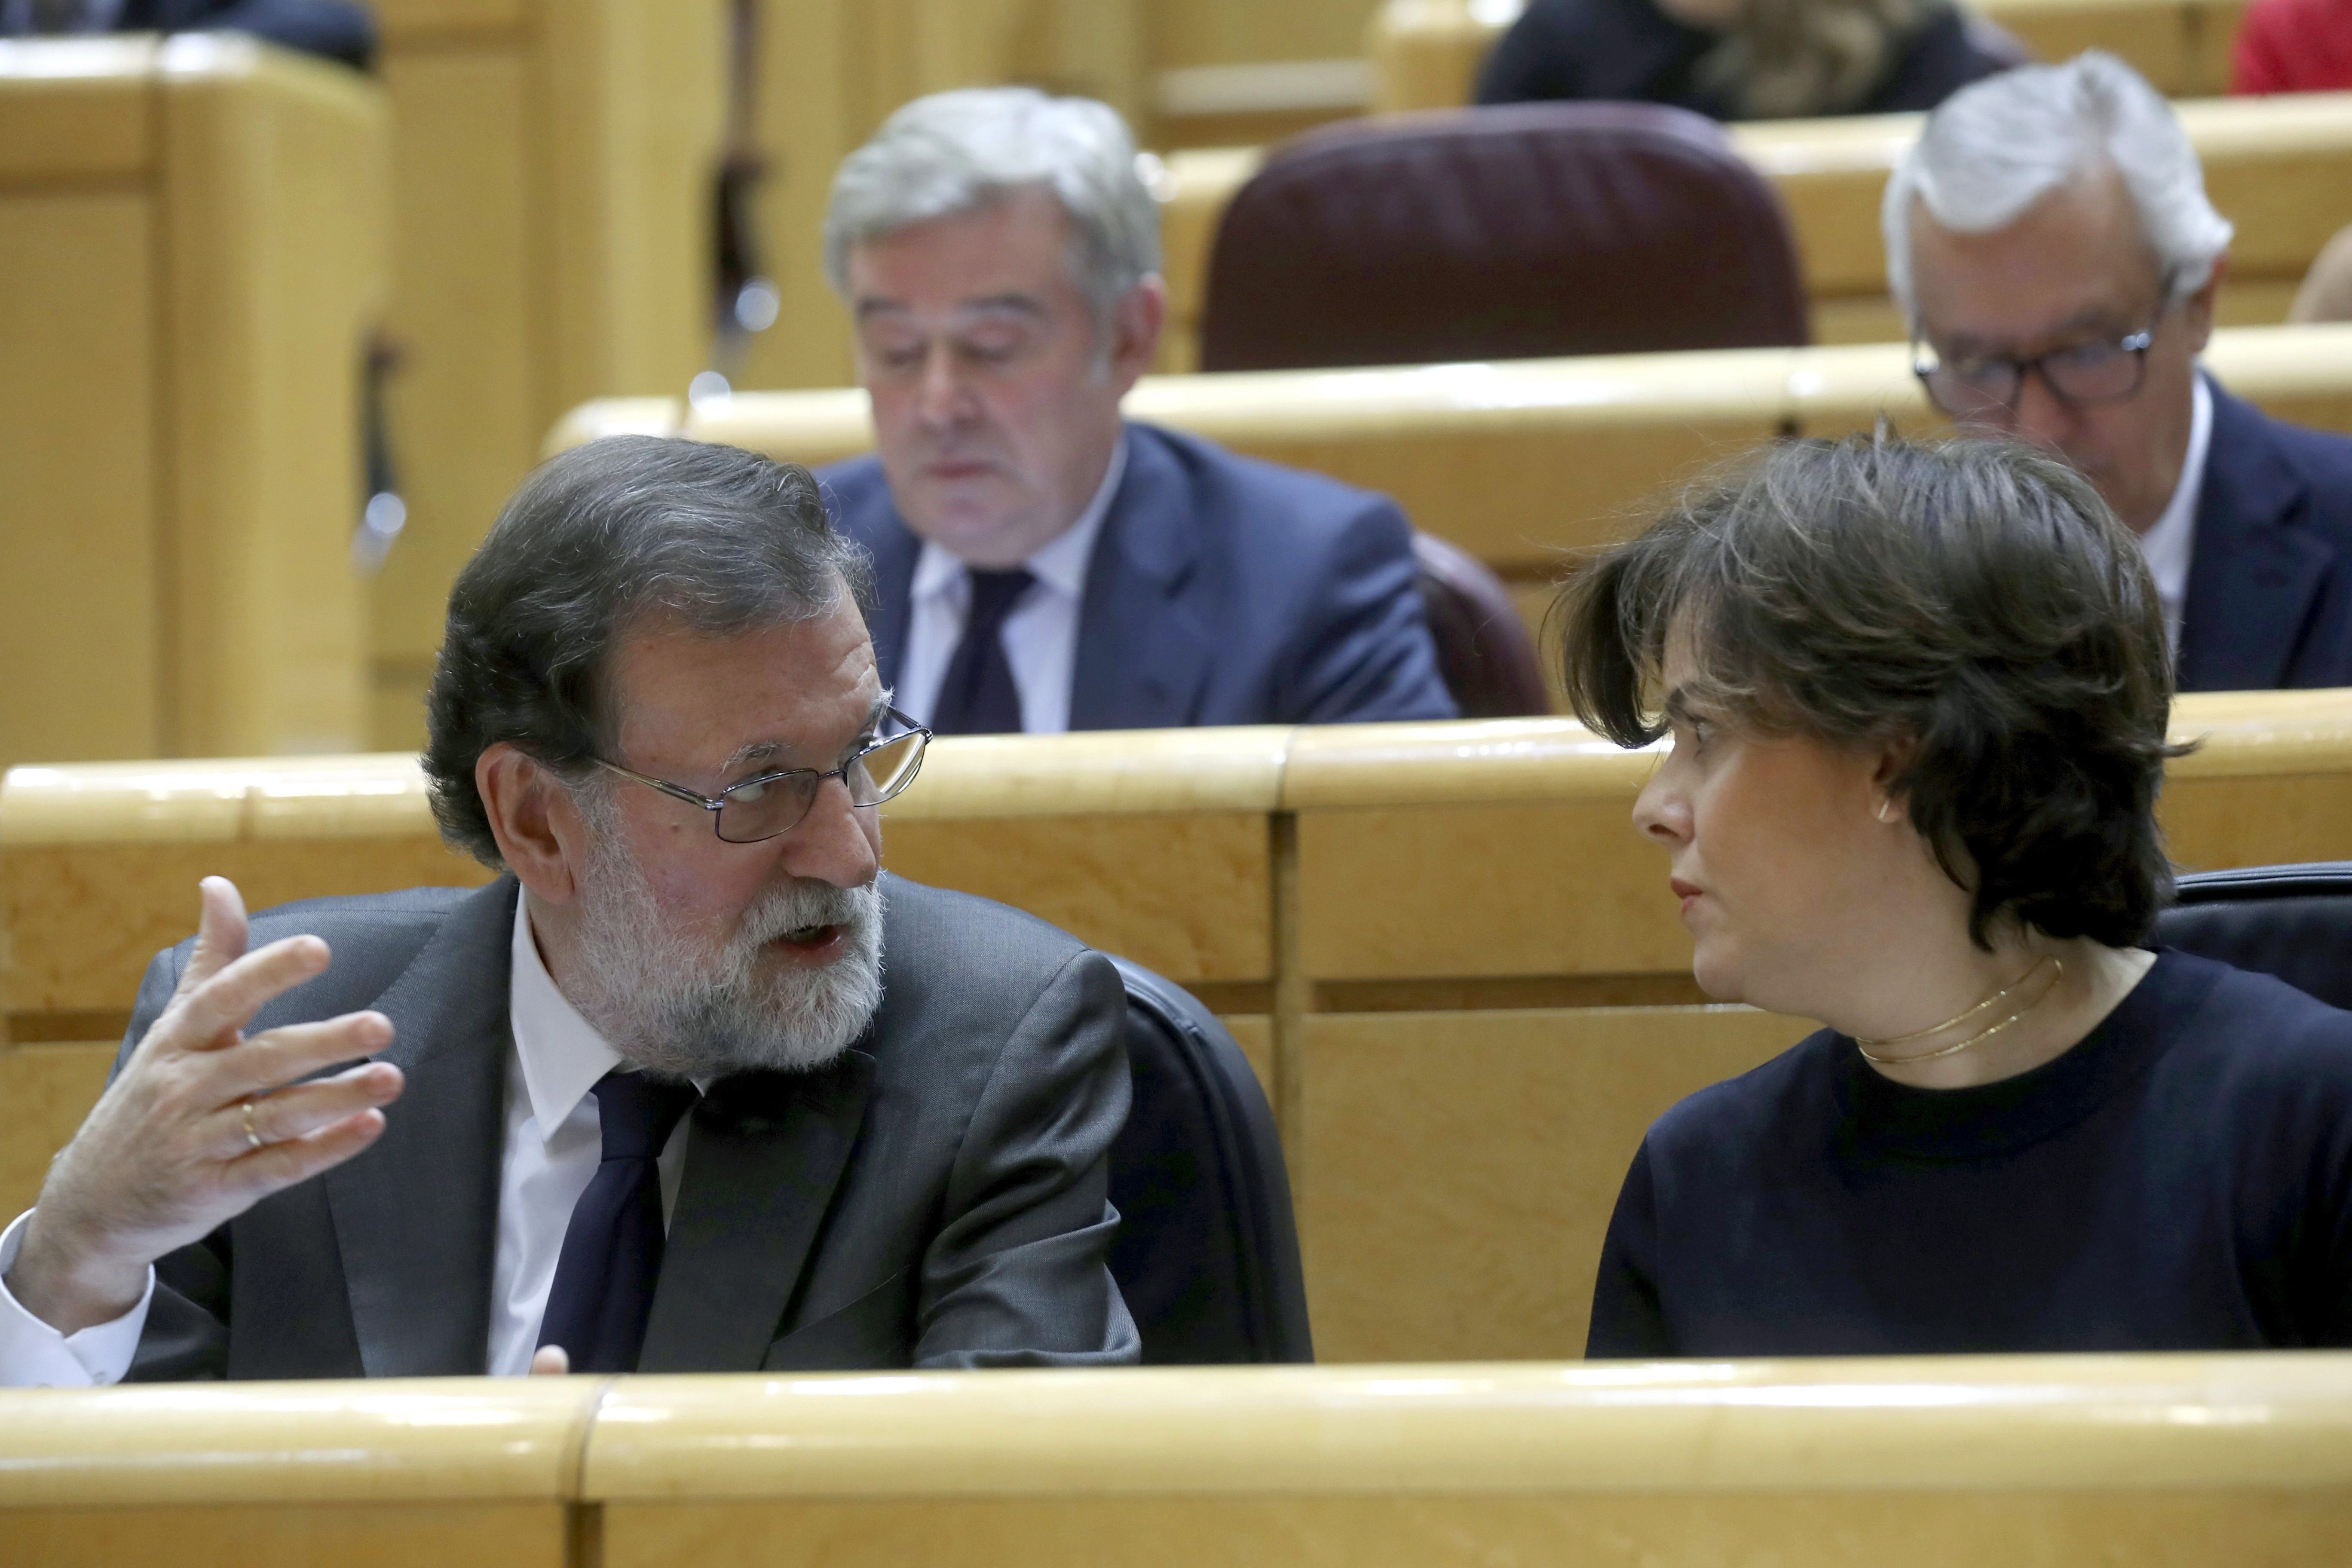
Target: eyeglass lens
[2096,373]
[765,808]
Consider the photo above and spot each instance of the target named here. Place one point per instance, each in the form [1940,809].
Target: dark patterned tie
[978,697]
[612,1254]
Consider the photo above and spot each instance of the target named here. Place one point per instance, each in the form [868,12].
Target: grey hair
[1995,148]
[721,540]
[958,152]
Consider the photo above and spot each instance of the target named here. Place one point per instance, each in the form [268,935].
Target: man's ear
[1135,325]
[540,832]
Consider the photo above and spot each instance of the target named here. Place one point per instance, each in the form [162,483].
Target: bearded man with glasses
[2050,243]
[646,1102]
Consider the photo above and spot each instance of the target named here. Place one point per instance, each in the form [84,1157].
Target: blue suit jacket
[1222,590]
[2270,579]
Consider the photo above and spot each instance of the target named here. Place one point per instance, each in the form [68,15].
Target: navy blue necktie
[978,697]
[612,1254]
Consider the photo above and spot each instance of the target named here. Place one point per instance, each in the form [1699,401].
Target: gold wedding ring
[250,1135]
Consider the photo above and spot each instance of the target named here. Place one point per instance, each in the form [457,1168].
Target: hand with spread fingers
[201,1123]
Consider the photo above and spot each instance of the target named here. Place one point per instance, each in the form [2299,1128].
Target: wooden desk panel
[1454,1171]
[294,1535]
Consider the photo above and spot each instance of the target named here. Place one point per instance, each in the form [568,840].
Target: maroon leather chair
[1484,651]
[1503,233]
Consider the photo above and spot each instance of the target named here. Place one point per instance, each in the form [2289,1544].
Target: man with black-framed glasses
[2051,245]
[643,1103]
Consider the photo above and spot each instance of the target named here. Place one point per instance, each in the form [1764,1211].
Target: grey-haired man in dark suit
[647,1101]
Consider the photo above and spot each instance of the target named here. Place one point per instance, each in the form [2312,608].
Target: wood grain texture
[2186,1528]
[1460,1168]
[298,1535]
[1187,895]
[84,922]
[80,562]
[45,1092]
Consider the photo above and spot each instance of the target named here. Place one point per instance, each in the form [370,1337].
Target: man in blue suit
[2049,240]
[1040,564]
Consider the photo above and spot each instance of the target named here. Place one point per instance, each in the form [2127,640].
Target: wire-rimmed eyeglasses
[767,805]
[2083,374]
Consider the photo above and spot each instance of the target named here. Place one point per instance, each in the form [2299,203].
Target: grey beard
[680,1012]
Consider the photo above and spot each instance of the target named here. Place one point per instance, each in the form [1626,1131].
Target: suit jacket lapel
[895,550]
[1144,651]
[763,1159]
[416,1216]
[2251,576]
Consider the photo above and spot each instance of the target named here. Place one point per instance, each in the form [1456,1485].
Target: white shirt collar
[2172,538]
[562,1055]
[1060,565]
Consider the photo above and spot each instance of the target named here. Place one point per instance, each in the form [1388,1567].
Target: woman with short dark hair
[1918,699]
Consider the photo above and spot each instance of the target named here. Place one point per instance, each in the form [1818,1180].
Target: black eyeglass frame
[716,804]
[2134,344]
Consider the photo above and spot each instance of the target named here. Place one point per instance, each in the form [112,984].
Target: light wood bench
[1443,945]
[2280,168]
[1425,54]
[1522,461]
[551,170]
[192,239]
[2169,1461]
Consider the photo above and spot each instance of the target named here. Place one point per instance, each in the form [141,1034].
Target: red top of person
[2293,45]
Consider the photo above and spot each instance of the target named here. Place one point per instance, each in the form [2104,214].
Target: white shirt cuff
[33,1354]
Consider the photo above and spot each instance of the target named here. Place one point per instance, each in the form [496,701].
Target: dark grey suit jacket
[938,1197]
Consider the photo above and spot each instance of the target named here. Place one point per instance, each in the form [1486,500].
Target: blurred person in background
[2292,45]
[1745,60]
[2050,245]
[332,29]
[1918,697]
[1041,564]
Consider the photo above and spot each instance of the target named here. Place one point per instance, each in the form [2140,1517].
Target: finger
[275,1057]
[295,1113]
[550,1360]
[221,932]
[208,1017]
[277,1166]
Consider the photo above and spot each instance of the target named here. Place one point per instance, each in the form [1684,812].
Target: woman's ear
[539,833]
[1891,761]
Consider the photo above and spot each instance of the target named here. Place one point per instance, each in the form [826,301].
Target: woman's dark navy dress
[2180,1180]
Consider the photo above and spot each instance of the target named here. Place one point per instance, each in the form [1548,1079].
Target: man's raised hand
[201,1123]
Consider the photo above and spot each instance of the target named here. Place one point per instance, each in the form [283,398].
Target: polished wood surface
[409,1440]
[191,240]
[45,1092]
[2170,1460]
[2279,168]
[1426,53]
[552,174]
[1521,461]
[1454,1173]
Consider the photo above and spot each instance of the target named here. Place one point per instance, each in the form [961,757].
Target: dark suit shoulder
[1743,1116]
[963,951]
[856,495]
[1314,509]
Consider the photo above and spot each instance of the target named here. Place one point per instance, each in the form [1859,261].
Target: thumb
[550,1360]
[220,932]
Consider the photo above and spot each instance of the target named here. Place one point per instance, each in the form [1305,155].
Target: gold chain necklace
[2057,974]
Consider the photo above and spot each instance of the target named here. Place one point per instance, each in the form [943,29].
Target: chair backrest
[1207,1252]
[1484,649]
[1508,233]
[2293,921]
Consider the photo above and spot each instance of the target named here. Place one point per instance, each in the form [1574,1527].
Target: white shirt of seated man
[203,1121]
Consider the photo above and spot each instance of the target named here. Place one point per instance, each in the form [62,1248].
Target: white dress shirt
[553,1145]
[2172,538]
[1040,636]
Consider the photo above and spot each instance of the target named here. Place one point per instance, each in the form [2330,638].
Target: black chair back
[2293,921]
[1483,649]
[1207,1252]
